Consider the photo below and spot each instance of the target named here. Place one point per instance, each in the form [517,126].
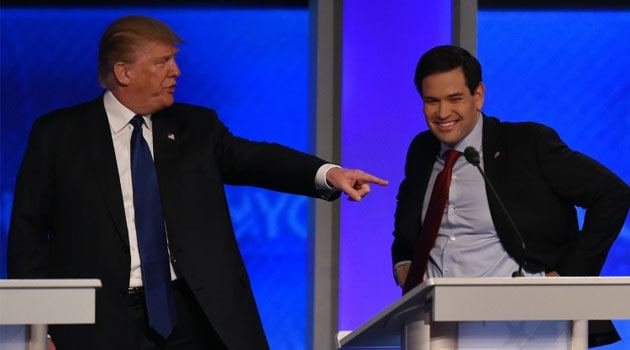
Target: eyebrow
[164,57]
[457,94]
[169,55]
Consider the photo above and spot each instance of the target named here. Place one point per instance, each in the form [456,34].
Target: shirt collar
[118,115]
[474,139]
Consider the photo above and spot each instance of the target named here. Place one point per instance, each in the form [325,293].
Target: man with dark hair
[128,188]
[447,223]
[446,58]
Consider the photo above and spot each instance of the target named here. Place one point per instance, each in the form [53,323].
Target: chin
[445,139]
[167,102]
[450,142]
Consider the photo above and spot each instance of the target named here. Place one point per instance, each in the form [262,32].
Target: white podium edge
[423,290]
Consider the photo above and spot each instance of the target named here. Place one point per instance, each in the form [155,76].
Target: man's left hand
[354,183]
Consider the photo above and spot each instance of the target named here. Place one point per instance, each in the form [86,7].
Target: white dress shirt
[119,117]
[467,244]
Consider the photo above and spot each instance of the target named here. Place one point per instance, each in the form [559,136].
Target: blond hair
[124,37]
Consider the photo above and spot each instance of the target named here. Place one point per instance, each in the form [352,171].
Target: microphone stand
[472,156]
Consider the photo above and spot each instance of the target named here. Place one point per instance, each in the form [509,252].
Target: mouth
[446,125]
[170,89]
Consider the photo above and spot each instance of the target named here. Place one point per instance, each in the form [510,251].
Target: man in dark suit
[536,175]
[128,188]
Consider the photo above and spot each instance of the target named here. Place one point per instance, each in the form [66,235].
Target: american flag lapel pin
[170,136]
[497,154]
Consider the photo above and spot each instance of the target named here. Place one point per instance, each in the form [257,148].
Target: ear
[121,73]
[479,96]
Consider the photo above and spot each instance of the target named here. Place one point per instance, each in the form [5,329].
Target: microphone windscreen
[472,156]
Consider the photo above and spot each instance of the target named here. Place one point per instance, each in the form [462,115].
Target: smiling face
[147,84]
[451,112]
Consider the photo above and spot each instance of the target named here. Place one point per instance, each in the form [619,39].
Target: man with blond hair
[128,188]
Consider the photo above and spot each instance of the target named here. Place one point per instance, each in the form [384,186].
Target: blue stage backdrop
[568,70]
[250,65]
[380,114]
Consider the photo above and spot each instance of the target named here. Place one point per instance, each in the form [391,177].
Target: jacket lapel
[165,158]
[425,166]
[101,147]
[495,158]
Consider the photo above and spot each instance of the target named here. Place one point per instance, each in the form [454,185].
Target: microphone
[472,156]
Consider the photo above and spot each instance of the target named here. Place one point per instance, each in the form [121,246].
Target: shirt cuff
[320,177]
[324,190]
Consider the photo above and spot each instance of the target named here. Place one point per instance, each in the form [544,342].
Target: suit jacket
[68,219]
[540,180]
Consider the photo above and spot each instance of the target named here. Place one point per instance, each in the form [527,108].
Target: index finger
[372,179]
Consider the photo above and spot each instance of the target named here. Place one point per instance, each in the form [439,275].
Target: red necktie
[432,222]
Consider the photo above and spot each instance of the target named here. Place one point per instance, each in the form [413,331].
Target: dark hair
[445,58]
[122,39]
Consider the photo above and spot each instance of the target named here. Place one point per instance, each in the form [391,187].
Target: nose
[444,110]
[175,72]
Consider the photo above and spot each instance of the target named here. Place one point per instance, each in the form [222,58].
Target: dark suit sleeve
[403,242]
[407,222]
[28,246]
[262,164]
[584,182]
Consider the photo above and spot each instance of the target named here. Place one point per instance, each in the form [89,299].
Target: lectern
[28,306]
[444,313]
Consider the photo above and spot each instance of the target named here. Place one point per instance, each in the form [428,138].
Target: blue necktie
[156,275]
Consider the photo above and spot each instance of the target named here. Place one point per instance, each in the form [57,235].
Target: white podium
[28,306]
[429,316]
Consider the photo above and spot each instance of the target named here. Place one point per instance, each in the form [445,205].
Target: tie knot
[450,157]
[137,121]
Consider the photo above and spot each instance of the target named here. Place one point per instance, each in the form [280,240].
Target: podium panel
[514,335]
[479,313]
[28,306]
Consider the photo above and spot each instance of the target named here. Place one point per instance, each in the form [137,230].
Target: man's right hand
[401,274]
[354,183]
